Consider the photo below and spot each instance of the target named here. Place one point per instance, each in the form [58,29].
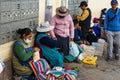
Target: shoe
[109,59]
[116,57]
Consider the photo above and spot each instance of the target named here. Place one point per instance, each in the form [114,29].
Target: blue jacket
[97,30]
[114,24]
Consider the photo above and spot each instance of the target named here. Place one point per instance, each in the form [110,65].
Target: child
[96,27]
[77,31]
[91,37]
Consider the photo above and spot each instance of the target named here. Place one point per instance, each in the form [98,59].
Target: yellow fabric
[90,60]
[84,15]
[19,69]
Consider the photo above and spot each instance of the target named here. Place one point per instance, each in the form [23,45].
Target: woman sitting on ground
[23,52]
[48,45]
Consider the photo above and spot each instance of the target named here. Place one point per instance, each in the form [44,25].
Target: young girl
[96,27]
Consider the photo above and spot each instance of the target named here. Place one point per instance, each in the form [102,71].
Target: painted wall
[97,5]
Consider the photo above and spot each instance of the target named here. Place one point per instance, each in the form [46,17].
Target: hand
[36,49]
[79,27]
[71,39]
[54,38]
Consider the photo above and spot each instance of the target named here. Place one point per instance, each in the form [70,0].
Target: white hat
[44,27]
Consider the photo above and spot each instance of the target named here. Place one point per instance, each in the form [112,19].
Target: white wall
[97,5]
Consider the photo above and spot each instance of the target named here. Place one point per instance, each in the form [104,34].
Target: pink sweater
[63,26]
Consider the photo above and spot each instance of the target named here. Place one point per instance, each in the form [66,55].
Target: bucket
[98,48]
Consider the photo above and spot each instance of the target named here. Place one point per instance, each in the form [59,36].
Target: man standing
[112,30]
[85,18]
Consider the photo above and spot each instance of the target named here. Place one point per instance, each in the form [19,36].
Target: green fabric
[69,58]
[23,56]
[51,54]
[80,49]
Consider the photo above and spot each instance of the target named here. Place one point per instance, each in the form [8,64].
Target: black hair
[103,10]
[75,21]
[83,3]
[25,31]
[91,28]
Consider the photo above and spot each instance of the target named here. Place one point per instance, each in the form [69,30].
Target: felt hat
[62,11]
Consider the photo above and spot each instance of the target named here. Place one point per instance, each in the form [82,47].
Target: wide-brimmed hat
[114,2]
[44,27]
[62,11]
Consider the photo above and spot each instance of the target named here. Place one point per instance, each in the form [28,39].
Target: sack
[74,51]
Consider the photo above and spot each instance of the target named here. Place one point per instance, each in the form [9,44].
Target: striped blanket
[42,71]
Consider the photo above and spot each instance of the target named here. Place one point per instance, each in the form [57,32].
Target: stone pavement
[104,70]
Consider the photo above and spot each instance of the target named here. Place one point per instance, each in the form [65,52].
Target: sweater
[114,24]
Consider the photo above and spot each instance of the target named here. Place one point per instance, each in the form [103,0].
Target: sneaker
[116,57]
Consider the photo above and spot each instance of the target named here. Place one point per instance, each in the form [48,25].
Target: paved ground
[104,70]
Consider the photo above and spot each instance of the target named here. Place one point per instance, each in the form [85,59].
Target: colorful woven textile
[42,72]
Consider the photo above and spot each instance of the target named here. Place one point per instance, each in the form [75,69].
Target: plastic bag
[90,60]
[74,51]
[2,66]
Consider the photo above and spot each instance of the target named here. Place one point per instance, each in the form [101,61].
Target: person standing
[85,18]
[102,16]
[112,30]
[63,29]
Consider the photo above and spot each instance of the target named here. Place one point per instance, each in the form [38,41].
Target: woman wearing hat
[48,45]
[63,29]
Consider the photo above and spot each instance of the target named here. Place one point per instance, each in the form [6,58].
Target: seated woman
[23,52]
[48,45]
[91,37]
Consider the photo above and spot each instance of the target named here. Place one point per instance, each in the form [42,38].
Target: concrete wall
[6,49]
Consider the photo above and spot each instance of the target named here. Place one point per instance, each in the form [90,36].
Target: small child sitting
[96,27]
[91,37]
[77,31]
